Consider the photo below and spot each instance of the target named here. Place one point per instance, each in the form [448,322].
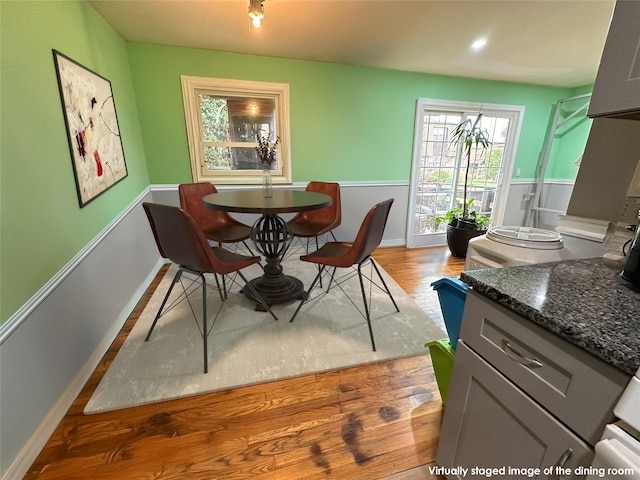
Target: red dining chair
[216,225]
[315,223]
[180,239]
[357,253]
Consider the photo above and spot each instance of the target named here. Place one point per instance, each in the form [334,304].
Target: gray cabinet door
[490,423]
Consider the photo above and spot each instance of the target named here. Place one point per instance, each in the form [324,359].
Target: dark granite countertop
[583,301]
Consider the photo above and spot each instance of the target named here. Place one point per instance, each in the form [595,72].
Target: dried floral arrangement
[267,153]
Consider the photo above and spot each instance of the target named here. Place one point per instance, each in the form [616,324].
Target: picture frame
[92,128]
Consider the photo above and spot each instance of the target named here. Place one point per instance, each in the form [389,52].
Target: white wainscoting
[555,195]
[51,346]
[356,199]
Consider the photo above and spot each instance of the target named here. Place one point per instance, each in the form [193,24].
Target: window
[224,117]
[438,168]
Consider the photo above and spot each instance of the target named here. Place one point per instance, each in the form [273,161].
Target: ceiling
[545,42]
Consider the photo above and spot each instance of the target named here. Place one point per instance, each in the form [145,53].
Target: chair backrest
[191,202]
[370,232]
[179,237]
[330,216]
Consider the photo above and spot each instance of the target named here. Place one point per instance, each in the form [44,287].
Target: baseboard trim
[396,242]
[20,466]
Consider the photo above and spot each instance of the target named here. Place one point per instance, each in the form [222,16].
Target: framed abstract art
[92,128]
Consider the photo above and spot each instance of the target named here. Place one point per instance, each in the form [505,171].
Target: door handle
[555,475]
[519,357]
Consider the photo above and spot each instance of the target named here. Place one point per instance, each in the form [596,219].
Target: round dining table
[270,234]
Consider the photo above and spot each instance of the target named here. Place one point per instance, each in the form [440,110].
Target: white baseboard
[38,440]
[395,242]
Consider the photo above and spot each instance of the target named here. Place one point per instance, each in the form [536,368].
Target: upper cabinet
[616,92]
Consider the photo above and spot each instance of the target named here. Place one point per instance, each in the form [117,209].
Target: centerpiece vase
[267,184]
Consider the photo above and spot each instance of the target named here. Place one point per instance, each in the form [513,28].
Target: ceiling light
[256,12]
[479,44]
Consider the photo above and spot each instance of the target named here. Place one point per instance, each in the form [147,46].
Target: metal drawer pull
[560,464]
[519,357]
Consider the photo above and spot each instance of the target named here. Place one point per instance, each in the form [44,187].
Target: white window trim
[193,86]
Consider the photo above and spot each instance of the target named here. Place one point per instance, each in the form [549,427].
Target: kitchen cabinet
[491,424]
[616,92]
[522,398]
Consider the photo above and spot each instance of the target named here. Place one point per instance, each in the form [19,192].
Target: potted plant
[463,223]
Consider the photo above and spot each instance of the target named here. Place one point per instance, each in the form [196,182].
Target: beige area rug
[248,347]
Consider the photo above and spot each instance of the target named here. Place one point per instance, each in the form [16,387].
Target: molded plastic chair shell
[344,255]
[180,239]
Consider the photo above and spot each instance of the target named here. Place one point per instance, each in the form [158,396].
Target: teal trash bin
[452,293]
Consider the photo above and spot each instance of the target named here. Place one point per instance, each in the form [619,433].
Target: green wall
[43,227]
[347,123]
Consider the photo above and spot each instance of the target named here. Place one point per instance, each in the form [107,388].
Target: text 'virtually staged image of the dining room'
[283,239]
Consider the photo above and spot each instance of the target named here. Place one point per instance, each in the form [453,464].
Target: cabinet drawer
[578,388]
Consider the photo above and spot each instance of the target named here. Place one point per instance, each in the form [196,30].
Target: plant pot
[458,238]
[465,224]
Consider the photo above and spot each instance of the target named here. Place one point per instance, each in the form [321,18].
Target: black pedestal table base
[270,234]
[271,238]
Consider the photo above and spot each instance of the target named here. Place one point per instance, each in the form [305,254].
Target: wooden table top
[254,201]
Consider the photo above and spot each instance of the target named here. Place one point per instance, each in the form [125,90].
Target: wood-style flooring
[379,421]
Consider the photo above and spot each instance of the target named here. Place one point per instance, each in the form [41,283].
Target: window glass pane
[250,117]
[217,158]
[442,169]
[233,158]
[437,171]
[215,118]
[245,159]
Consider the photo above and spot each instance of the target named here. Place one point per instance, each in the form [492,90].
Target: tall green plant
[470,134]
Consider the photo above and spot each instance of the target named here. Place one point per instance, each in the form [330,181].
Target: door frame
[514,112]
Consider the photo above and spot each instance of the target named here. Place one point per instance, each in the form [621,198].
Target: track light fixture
[256,13]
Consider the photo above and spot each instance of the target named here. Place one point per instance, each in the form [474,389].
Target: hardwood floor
[379,421]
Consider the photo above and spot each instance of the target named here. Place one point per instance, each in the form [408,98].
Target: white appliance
[510,246]
[619,450]
[575,237]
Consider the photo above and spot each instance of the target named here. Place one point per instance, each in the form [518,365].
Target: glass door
[437,179]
